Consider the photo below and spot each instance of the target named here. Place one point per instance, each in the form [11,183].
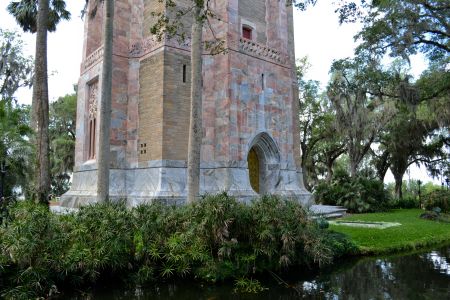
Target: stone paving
[328,211]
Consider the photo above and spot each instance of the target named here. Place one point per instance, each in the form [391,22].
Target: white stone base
[166,181]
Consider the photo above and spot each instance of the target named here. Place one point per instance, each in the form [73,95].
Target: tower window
[92,119]
[92,127]
[246,32]
[184,73]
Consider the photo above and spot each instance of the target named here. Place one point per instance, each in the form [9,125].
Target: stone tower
[250,142]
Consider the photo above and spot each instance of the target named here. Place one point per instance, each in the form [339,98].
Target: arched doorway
[263,161]
[253,169]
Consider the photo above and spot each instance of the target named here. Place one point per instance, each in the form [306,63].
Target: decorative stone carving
[93,58]
[255,49]
[92,101]
[150,44]
[147,45]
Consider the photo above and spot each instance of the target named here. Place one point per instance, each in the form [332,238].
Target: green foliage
[99,241]
[320,142]
[405,28]
[413,232]
[251,286]
[406,202]
[438,198]
[356,91]
[30,251]
[62,141]
[358,194]
[15,68]
[15,148]
[25,13]
[214,239]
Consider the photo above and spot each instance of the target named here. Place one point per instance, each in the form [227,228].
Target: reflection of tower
[249,106]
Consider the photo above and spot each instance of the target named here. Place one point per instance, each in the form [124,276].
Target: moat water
[424,275]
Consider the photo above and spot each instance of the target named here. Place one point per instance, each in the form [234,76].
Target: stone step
[334,216]
[328,211]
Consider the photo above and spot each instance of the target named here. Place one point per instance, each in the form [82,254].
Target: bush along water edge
[217,238]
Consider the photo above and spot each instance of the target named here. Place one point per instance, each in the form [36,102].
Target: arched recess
[263,160]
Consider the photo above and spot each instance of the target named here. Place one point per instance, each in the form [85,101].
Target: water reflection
[416,276]
[440,263]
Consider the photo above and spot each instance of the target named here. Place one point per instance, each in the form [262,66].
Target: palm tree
[105,105]
[195,126]
[36,16]
[103,156]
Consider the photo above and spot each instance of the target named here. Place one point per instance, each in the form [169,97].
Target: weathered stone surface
[249,102]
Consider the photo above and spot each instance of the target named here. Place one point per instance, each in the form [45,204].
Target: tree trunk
[382,173]
[306,180]
[105,105]
[2,180]
[353,168]
[39,116]
[398,186]
[329,172]
[195,126]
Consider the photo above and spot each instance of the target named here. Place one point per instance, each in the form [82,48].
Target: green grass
[412,234]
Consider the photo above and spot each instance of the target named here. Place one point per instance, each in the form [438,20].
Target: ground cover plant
[216,238]
[412,234]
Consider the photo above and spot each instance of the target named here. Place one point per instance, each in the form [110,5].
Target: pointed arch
[265,145]
[263,160]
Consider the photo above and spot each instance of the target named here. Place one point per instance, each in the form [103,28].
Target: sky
[318,35]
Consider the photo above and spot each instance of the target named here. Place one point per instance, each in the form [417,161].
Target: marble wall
[248,101]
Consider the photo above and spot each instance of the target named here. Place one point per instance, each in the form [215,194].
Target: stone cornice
[93,58]
[260,51]
[150,44]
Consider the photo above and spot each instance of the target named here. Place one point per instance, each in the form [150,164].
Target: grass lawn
[412,234]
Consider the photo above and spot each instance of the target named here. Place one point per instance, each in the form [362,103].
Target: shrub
[31,246]
[358,195]
[99,241]
[406,202]
[437,198]
[213,239]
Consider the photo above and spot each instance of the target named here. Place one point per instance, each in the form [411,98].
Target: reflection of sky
[386,269]
[440,263]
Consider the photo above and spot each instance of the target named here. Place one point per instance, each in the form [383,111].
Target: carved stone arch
[263,158]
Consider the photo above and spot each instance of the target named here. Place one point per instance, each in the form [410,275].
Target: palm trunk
[105,105]
[195,126]
[39,117]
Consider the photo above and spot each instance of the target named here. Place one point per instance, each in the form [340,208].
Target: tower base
[165,181]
